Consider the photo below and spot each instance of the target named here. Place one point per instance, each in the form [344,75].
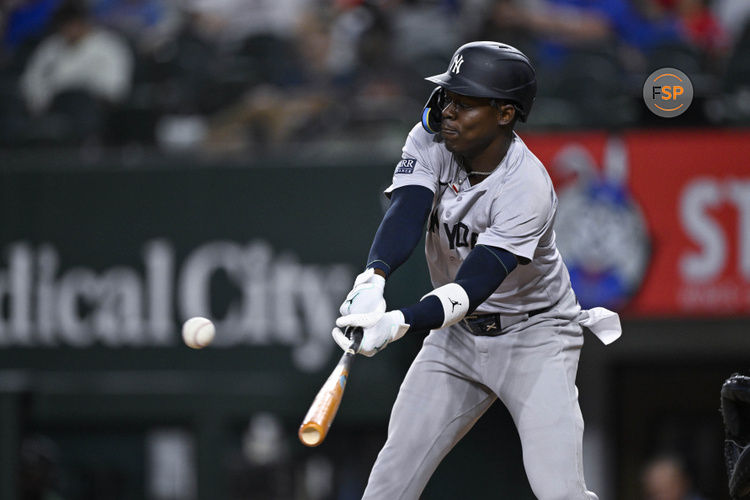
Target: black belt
[494,325]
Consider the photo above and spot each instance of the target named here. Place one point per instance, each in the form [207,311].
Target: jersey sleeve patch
[406,166]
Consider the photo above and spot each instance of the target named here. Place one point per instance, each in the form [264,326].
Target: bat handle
[355,333]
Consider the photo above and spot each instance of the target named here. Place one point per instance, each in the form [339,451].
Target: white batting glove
[389,328]
[365,304]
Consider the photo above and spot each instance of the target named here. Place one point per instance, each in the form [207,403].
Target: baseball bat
[323,409]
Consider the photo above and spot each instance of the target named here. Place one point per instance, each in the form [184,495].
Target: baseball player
[504,320]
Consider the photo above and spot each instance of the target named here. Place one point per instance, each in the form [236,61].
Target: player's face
[469,124]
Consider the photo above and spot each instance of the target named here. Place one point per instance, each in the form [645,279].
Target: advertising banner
[654,223]
[99,267]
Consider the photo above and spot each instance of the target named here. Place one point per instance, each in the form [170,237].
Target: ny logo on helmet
[456,65]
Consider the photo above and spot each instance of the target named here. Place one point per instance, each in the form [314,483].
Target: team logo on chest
[456,64]
[458,235]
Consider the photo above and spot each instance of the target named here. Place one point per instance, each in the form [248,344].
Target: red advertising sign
[654,223]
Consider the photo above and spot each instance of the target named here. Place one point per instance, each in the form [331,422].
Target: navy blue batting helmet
[493,70]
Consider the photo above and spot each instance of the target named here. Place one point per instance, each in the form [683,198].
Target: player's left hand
[365,304]
[389,328]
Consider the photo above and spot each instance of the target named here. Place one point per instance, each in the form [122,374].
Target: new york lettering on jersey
[458,234]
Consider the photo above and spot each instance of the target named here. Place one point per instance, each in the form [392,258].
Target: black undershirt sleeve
[401,228]
[483,271]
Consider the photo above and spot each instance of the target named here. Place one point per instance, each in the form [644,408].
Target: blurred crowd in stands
[254,75]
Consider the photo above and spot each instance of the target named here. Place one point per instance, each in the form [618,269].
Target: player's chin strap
[455,302]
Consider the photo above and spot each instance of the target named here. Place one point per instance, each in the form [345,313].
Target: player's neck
[480,166]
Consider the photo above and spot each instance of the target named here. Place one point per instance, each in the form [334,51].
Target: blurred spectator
[560,25]
[357,37]
[233,74]
[698,24]
[281,103]
[667,478]
[78,57]
[263,467]
[40,475]
[554,20]
[234,21]
[334,75]
[734,16]
[27,20]
[150,23]
[416,23]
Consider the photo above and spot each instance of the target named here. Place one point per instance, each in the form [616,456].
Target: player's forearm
[479,276]
[401,229]
[484,269]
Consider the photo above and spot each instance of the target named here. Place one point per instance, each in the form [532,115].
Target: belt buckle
[490,326]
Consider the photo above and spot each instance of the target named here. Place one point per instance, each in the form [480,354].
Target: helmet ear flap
[432,114]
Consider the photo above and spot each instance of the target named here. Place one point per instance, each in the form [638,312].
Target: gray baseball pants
[457,376]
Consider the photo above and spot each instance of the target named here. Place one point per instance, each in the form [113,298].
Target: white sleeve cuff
[455,302]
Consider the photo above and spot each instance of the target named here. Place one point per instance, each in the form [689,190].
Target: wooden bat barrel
[323,409]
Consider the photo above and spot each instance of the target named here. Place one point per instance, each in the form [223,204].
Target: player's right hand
[390,327]
[365,304]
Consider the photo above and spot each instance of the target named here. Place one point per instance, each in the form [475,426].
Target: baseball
[198,332]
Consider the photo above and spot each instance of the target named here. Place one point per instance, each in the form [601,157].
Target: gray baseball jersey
[531,367]
[513,208]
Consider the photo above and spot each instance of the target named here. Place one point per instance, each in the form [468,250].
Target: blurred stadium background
[161,159]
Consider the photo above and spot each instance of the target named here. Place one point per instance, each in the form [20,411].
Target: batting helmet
[493,70]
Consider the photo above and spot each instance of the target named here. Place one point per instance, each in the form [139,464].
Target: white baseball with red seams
[198,332]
